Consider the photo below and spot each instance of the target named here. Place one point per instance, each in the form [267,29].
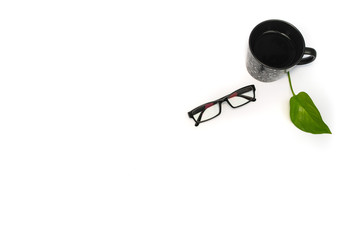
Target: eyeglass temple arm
[197,122]
[247,97]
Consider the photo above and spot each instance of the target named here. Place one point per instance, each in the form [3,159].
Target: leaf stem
[288,73]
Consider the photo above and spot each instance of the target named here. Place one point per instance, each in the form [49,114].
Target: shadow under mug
[276,46]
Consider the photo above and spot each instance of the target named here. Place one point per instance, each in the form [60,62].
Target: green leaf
[305,115]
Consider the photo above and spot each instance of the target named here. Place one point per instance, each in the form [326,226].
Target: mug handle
[306,60]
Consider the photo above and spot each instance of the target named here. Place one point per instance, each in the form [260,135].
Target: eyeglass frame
[220,101]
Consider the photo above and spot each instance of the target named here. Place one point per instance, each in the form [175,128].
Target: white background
[95,141]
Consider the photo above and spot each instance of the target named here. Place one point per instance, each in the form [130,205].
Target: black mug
[276,46]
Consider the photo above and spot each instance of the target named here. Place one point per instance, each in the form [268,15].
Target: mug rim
[292,26]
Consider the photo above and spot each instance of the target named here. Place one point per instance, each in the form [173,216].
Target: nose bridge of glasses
[221,100]
[224,99]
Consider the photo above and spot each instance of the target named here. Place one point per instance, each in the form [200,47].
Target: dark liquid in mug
[274,49]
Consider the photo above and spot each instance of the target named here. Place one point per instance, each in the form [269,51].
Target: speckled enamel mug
[276,46]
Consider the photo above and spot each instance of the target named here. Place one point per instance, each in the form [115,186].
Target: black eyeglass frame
[219,101]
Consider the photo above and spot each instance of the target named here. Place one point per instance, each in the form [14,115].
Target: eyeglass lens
[211,110]
[236,100]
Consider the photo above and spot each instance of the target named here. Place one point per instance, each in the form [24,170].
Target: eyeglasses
[212,109]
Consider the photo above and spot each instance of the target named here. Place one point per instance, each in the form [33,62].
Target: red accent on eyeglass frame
[233,95]
[208,105]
